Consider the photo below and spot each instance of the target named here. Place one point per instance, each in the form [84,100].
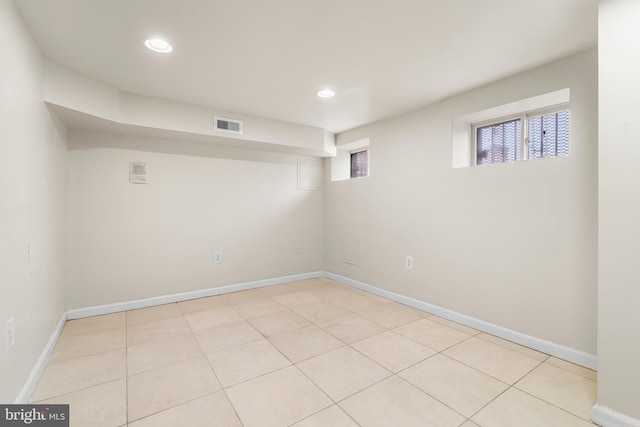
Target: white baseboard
[41,363]
[606,417]
[36,372]
[566,353]
[80,313]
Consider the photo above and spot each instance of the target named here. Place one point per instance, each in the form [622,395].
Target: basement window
[532,135]
[531,128]
[359,164]
[548,135]
[499,142]
[352,160]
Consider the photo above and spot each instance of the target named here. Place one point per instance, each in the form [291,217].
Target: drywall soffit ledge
[85,104]
[77,120]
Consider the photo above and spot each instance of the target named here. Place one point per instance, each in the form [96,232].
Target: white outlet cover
[408,262]
[218,257]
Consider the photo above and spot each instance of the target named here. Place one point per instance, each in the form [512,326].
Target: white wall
[511,244]
[32,205]
[132,241]
[619,208]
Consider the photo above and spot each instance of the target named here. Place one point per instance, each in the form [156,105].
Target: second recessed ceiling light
[158,45]
[326,93]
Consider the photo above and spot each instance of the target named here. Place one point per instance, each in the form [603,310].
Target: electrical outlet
[10,333]
[217,257]
[408,262]
[298,250]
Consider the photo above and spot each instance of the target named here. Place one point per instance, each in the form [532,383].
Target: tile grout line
[222,388]
[475,369]
[550,403]
[337,403]
[435,354]
[392,373]
[444,326]
[489,403]
[570,371]
[235,410]
[510,386]
[489,375]
[343,346]
[88,354]
[176,406]
[434,398]
[403,369]
[164,366]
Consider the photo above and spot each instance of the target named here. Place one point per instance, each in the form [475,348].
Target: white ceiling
[269,58]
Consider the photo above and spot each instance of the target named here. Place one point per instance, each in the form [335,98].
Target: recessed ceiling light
[158,45]
[326,93]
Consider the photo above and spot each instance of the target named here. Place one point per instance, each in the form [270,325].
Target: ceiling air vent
[138,173]
[222,124]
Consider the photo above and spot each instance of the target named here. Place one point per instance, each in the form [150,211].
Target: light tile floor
[310,353]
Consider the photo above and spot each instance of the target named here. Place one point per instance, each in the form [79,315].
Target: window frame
[493,122]
[524,129]
[360,150]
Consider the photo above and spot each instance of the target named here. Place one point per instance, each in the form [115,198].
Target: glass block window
[359,164]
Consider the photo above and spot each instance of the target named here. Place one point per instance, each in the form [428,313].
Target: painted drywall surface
[78,92]
[130,241]
[32,205]
[511,244]
[163,114]
[98,102]
[619,208]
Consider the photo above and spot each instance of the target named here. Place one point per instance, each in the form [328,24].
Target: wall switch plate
[217,257]
[10,333]
[408,262]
